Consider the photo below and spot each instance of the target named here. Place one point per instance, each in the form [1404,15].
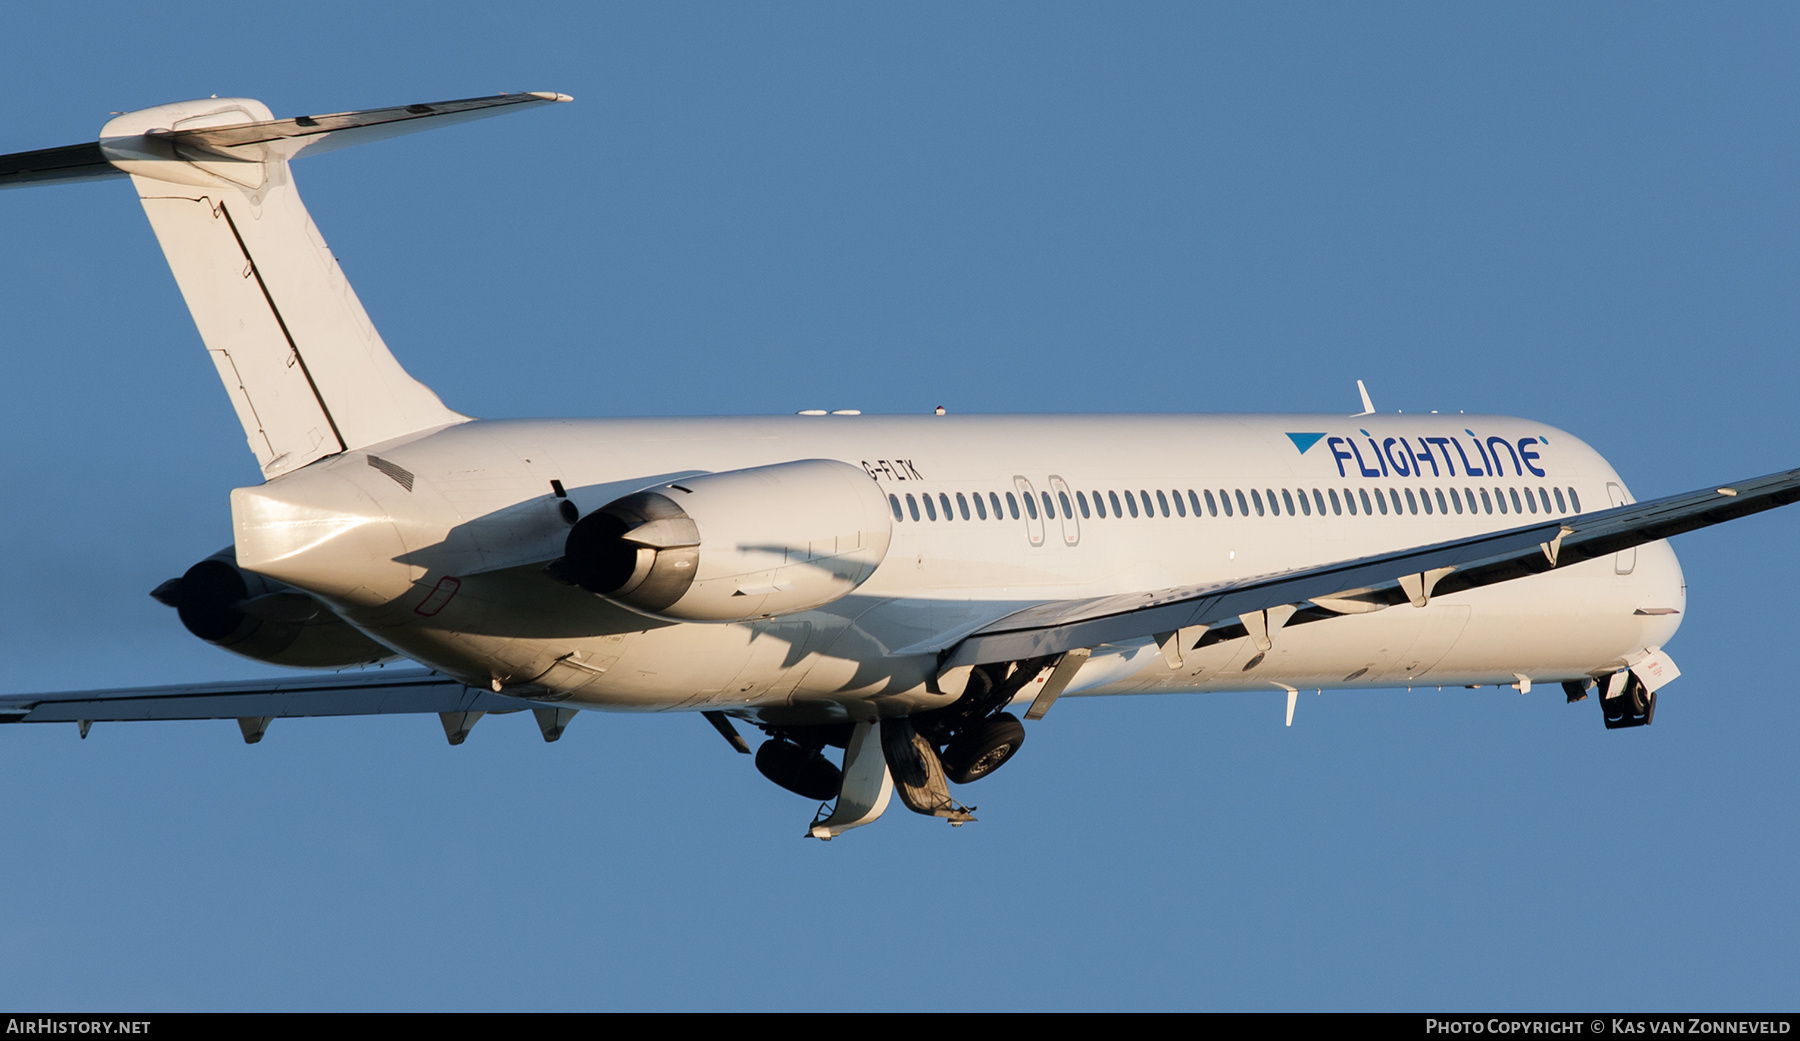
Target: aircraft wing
[1366,584]
[375,692]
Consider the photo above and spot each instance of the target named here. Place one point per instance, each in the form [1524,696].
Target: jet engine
[734,546]
[263,619]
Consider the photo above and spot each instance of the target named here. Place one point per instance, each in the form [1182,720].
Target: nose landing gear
[1627,702]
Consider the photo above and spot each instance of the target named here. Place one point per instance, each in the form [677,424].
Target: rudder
[305,369]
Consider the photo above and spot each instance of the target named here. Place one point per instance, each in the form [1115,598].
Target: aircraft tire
[980,751]
[802,771]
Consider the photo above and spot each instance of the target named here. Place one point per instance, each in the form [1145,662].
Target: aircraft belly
[810,659]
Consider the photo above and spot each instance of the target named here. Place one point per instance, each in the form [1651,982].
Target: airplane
[902,588]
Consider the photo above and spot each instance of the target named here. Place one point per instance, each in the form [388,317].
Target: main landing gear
[801,770]
[983,748]
[918,756]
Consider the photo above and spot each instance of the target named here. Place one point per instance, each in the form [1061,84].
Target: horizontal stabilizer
[83,162]
[253,142]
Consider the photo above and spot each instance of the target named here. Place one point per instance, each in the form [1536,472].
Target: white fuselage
[438,552]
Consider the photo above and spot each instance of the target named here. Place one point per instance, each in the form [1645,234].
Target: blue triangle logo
[1304,441]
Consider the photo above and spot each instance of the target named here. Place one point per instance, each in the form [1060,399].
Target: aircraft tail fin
[305,369]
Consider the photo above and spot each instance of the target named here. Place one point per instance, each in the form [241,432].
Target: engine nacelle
[735,546]
[262,619]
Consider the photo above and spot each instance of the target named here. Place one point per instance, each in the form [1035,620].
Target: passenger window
[1336,507]
[1180,507]
[1500,500]
[994,497]
[1381,503]
[1305,507]
[1395,495]
[980,507]
[1244,504]
[1530,501]
[962,505]
[1287,499]
[1368,510]
[1113,497]
[1030,507]
[1212,507]
[1412,504]
[1131,501]
[1561,507]
[1574,501]
[1319,500]
[1194,501]
[1486,506]
[1256,497]
[1515,500]
[1544,495]
[1149,511]
[1012,506]
[894,501]
[912,506]
[945,499]
[1063,499]
[1162,501]
[1456,501]
[930,510]
[1099,505]
[1442,508]
[1081,501]
[1469,493]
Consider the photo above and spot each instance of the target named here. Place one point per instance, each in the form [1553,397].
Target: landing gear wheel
[1635,706]
[1615,710]
[802,771]
[984,748]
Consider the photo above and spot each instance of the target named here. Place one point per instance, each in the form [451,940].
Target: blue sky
[1584,215]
